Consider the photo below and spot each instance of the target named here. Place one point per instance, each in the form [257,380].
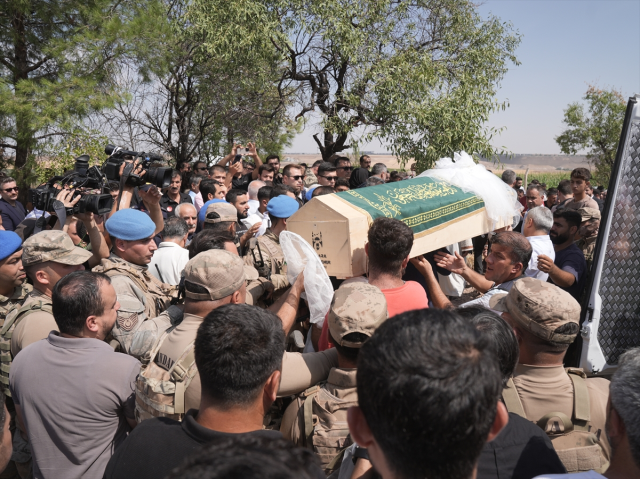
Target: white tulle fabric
[300,256]
[500,200]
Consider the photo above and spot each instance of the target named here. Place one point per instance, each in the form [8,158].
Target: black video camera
[82,181]
[160,177]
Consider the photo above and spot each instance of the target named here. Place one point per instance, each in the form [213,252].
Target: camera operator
[142,297]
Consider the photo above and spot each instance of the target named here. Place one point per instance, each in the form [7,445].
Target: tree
[596,130]
[180,100]
[55,63]
[421,75]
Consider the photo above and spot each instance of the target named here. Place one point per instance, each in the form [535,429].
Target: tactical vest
[326,431]
[278,265]
[14,317]
[576,446]
[160,393]
[157,294]
[17,298]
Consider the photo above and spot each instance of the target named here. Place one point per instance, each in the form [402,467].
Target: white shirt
[253,207]
[257,217]
[575,475]
[484,299]
[539,245]
[168,262]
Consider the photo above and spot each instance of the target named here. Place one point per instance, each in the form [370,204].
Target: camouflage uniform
[275,266]
[145,311]
[356,308]
[588,246]
[550,395]
[17,298]
[589,232]
[310,178]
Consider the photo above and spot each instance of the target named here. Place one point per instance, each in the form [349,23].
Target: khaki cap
[539,307]
[356,308]
[53,245]
[219,272]
[589,214]
[226,211]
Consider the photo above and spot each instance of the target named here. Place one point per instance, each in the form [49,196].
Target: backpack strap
[308,413]
[180,374]
[338,459]
[512,399]
[581,401]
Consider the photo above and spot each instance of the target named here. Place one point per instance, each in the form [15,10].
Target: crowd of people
[165,340]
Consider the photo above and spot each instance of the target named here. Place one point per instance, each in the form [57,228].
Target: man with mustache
[568,270]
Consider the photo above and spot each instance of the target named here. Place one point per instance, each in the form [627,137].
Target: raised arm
[438,298]
[457,264]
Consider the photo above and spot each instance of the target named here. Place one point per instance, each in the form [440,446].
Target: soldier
[13,288]
[588,233]
[170,385]
[142,297]
[268,257]
[356,311]
[568,406]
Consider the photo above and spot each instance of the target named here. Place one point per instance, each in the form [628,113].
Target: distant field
[551,179]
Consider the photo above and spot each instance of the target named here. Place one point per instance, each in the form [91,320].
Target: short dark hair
[325,167]
[316,163]
[272,157]
[232,195]
[428,387]
[279,190]
[264,193]
[207,187]
[342,182]
[250,456]
[518,178]
[76,297]
[176,173]
[581,173]
[390,242]
[174,227]
[552,191]
[267,168]
[208,239]
[520,247]
[237,348]
[350,353]
[287,169]
[572,217]
[342,159]
[541,191]
[363,157]
[322,190]
[218,168]
[502,339]
[564,187]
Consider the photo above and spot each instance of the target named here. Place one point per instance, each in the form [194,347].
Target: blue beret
[203,211]
[130,225]
[10,242]
[309,193]
[282,206]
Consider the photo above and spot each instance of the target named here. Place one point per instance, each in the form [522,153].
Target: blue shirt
[571,259]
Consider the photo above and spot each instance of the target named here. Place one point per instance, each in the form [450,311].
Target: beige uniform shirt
[545,389]
[299,371]
[584,203]
[33,327]
[341,385]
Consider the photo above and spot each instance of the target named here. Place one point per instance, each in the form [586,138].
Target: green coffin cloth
[422,203]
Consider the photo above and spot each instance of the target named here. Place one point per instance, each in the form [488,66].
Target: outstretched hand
[422,265]
[455,264]
[151,196]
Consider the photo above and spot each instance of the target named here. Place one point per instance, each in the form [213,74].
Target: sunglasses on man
[8,190]
[296,177]
[347,168]
[329,178]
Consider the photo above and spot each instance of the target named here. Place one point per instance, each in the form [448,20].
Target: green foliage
[597,129]
[57,157]
[420,75]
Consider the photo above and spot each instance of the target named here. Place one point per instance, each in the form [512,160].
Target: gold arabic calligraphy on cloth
[422,204]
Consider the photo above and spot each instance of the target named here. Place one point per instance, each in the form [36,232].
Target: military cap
[219,272]
[226,211]
[589,214]
[10,242]
[282,206]
[356,308]
[52,245]
[539,307]
[203,210]
[130,225]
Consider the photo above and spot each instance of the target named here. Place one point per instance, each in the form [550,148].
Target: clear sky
[566,45]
